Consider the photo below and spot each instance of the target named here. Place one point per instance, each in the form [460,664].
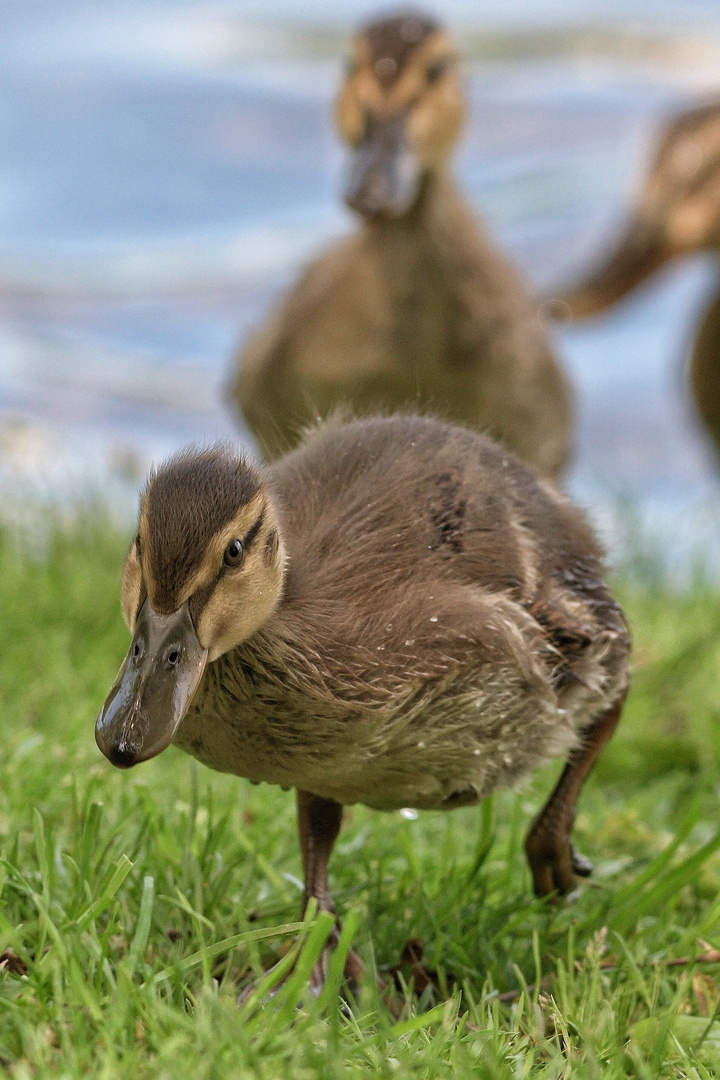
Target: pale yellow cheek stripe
[206,573]
[237,607]
[144,534]
[131,585]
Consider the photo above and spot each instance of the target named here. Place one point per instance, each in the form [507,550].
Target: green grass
[138,903]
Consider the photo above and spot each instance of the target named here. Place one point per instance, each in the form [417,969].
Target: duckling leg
[319,824]
[553,860]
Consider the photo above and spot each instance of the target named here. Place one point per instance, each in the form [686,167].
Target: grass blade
[416,1023]
[142,930]
[291,993]
[122,868]
[668,885]
[211,951]
[332,988]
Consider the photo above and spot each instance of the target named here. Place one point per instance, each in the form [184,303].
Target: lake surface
[165,168]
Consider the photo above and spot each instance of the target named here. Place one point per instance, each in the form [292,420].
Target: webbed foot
[554,862]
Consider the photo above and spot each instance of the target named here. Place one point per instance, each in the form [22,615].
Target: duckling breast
[435,720]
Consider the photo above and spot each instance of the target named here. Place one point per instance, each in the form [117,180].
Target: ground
[134,905]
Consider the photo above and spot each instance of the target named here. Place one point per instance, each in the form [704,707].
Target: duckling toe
[581,866]
[352,972]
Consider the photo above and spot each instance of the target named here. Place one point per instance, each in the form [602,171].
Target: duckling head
[677,212]
[400,109]
[204,573]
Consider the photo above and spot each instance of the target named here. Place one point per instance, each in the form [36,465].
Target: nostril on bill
[123,755]
[173,657]
[138,649]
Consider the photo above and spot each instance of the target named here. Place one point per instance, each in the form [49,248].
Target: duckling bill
[397,613]
[154,687]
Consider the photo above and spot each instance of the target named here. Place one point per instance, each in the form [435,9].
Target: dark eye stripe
[141,598]
[438,68]
[253,530]
[200,598]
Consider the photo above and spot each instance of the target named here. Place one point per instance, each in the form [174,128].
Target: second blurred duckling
[417,307]
[676,213]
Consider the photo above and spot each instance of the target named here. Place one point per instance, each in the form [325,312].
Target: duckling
[417,307]
[676,213]
[396,613]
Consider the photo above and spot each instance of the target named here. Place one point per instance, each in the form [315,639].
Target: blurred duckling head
[400,109]
[204,573]
[677,212]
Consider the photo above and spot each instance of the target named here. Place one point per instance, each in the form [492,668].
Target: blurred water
[166,167]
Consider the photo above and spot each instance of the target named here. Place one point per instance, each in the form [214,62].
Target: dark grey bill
[385,173]
[153,689]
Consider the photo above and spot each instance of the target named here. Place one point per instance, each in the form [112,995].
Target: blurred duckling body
[677,212]
[396,613]
[417,307]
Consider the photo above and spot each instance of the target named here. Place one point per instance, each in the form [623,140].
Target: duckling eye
[437,69]
[233,553]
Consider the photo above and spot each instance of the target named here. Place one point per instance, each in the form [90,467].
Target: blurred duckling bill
[397,613]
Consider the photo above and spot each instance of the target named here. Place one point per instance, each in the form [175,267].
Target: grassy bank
[120,891]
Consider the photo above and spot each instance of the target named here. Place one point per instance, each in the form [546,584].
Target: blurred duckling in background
[417,307]
[676,213]
[396,613]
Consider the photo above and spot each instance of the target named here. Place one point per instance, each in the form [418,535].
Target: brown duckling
[417,307]
[677,212]
[397,613]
